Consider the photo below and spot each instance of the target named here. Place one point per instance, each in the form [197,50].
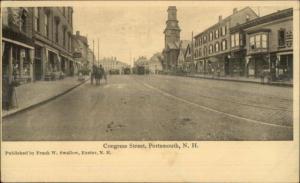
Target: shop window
[281,38]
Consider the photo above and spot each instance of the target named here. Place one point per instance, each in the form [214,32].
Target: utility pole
[93,53]
[98,52]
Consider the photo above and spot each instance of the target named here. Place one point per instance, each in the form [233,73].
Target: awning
[17,43]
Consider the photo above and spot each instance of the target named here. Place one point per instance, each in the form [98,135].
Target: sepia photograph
[150,91]
[165,73]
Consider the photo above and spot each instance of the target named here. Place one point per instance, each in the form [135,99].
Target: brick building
[53,29]
[212,46]
[266,44]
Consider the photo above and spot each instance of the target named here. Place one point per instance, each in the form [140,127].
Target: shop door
[38,69]
[226,66]
[290,66]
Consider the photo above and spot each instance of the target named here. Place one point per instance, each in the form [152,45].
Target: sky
[126,31]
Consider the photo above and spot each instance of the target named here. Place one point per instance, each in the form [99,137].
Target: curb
[44,101]
[245,81]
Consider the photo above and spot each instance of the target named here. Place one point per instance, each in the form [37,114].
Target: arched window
[211,36]
[210,49]
[224,45]
[217,47]
[217,33]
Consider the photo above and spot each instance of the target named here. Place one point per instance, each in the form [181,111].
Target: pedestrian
[104,75]
[98,75]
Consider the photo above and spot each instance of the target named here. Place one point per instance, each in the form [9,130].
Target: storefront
[17,61]
[256,64]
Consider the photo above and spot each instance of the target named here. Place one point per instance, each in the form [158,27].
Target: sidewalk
[242,79]
[32,94]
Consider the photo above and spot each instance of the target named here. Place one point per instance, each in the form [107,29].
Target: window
[210,36]
[210,49]
[23,22]
[46,25]
[70,42]
[281,37]
[264,41]
[223,30]
[217,34]
[56,31]
[64,37]
[252,43]
[204,39]
[257,41]
[205,51]
[235,40]
[232,40]
[224,45]
[217,47]
[36,19]
[200,52]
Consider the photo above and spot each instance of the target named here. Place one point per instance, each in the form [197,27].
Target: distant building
[80,50]
[182,50]
[90,58]
[211,47]
[172,40]
[188,63]
[155,63]
[112,64]
[264,44]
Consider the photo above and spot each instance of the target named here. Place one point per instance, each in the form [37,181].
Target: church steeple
[172,30]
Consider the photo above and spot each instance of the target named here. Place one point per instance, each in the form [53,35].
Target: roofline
[228,17]
[260,20]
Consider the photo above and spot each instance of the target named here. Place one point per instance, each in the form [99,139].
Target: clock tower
[172,30]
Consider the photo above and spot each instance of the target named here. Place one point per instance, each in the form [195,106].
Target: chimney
[235,10]
[220,18]
[77,33]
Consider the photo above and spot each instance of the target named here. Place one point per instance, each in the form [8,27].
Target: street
[159,107]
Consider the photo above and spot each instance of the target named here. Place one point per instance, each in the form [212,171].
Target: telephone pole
[98,52]
[93,53]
